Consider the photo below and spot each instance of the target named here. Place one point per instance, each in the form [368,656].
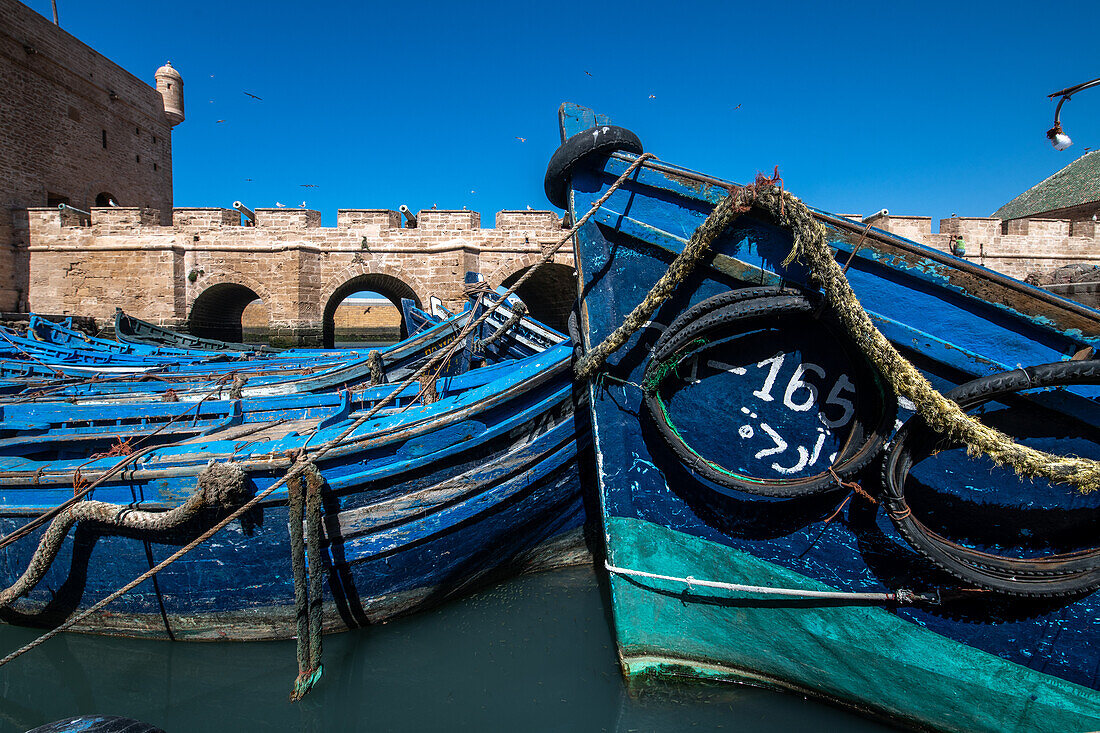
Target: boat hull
[418,507]
[976,661]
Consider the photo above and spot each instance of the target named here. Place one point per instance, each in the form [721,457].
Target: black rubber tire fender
[748,306]
[596,141]
[1052,575]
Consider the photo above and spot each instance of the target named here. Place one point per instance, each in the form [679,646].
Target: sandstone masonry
[74,127]
[201,270]
[1015,248]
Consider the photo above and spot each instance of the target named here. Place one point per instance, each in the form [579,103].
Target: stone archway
[549,293]
[217,311]
[388,286]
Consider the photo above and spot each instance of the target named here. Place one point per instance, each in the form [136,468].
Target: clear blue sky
[936,109]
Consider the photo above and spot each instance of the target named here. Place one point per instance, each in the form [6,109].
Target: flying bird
[254,96]
[521,139]
[280,205]
[737,108]
[217,121]
[652,96]
[309,185]
[589,73]
[248,179]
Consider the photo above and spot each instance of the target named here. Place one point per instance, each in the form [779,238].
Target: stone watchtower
[170,86]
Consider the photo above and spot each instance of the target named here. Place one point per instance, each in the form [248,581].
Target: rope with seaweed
[941,414]
[811,244]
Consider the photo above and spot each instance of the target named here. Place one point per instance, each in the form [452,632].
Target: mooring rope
[900,596]
[303,462]
[374,363]
[518,312]
[941,414]
[739,200]
[304,503]
[811,242]
[219,485]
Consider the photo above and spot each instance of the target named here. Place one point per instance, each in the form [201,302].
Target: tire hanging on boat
[741,311]
[595,141]
[1051,575]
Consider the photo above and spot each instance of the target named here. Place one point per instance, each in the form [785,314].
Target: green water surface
[532,654]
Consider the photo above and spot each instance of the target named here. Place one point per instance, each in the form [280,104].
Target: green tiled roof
[1077,183]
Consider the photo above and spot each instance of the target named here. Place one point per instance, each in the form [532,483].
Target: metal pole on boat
[246,212]
[410,218]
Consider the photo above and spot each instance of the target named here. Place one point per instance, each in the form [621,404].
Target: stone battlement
[126,220]
[203,266]
[1015,247]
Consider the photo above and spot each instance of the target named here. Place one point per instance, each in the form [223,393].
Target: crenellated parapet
[159,267]
[1016,247]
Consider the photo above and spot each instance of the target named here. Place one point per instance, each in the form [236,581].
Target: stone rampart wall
[73,124]
[1015,247]
[124,257]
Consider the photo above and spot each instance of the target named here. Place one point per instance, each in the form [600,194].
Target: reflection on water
[532,654]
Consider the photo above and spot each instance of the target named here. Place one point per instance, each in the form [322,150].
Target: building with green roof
[1072,193]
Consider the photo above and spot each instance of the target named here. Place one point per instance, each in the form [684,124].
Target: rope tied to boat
[942,415]
[374,363]
[304,521]
[220,485]
[739,201]
[239,381]
[299,464]
[519,310]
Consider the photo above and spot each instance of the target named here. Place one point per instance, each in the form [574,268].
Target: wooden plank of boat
[420,505]
[736,555]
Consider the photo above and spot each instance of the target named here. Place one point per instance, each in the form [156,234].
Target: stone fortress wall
[204,268]
[1016,248]
[73,126]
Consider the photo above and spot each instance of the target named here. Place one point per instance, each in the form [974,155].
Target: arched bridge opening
[549,293]
[366,308]
[217,312]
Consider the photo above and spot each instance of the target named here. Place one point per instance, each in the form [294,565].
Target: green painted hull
[864,657]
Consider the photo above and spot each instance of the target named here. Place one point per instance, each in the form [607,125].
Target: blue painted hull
[418,506]
[977,661]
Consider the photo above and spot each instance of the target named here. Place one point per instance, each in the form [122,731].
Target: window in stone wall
[137,130]
[104,139]
[154,166]
[138,158]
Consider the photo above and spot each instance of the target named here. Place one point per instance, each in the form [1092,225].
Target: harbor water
[532,654]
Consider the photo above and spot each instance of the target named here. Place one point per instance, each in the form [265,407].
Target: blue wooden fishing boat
[763,521]
[132,330]
[415,505]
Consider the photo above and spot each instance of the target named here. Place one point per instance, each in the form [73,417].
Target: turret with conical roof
[170,86]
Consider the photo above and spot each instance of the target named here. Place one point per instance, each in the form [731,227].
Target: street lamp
[1057,137]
